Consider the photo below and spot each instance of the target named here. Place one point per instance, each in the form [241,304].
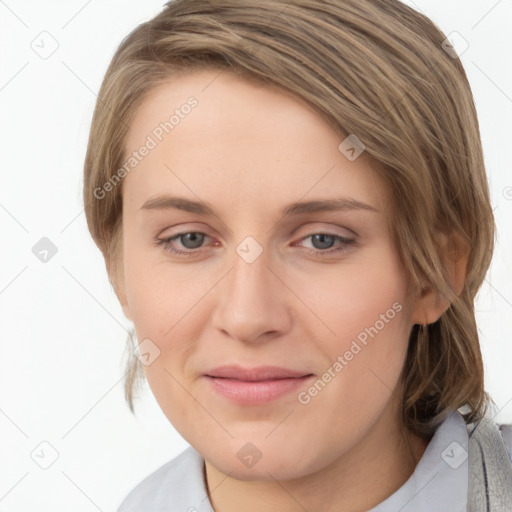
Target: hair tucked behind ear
[134,373]
[373,68]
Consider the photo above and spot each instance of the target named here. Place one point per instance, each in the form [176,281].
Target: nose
[252,302]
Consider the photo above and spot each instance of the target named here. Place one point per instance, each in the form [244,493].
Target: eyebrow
[166,202]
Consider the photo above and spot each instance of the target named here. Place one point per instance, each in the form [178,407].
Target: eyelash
[165,242]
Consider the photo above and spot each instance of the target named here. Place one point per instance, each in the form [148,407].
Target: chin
[263,460]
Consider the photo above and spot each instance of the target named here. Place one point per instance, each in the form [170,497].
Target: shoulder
[506,434]
[178,483]
[485,434]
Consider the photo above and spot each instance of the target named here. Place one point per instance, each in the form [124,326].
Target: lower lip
[255,392]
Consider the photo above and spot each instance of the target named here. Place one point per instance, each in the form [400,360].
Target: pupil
[322,238]
[196,239]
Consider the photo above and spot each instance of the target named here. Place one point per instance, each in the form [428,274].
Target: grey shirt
[439,481]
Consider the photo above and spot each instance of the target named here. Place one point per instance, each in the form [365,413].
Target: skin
[248,151]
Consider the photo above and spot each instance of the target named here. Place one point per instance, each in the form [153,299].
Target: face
[307,306]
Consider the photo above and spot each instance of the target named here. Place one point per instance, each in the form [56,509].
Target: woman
[293,209]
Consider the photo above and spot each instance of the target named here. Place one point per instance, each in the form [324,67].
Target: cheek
[365,307]
[166,308]
[157,296]
[367,295]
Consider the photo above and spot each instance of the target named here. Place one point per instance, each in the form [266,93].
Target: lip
[255,386]
[258,373]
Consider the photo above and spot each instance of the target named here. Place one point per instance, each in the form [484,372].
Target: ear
[454,253]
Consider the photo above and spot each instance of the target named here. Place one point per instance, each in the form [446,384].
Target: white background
[63,332]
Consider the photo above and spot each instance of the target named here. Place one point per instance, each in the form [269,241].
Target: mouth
[255,386]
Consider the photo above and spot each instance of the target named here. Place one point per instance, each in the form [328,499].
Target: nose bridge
[250,303]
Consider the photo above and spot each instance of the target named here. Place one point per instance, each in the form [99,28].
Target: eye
[322,240]
[192,241]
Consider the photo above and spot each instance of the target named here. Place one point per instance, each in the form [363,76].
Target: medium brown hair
[374,68]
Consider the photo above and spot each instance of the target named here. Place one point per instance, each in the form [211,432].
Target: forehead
[222,103]
[214,134]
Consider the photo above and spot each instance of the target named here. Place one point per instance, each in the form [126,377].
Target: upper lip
[254,374]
